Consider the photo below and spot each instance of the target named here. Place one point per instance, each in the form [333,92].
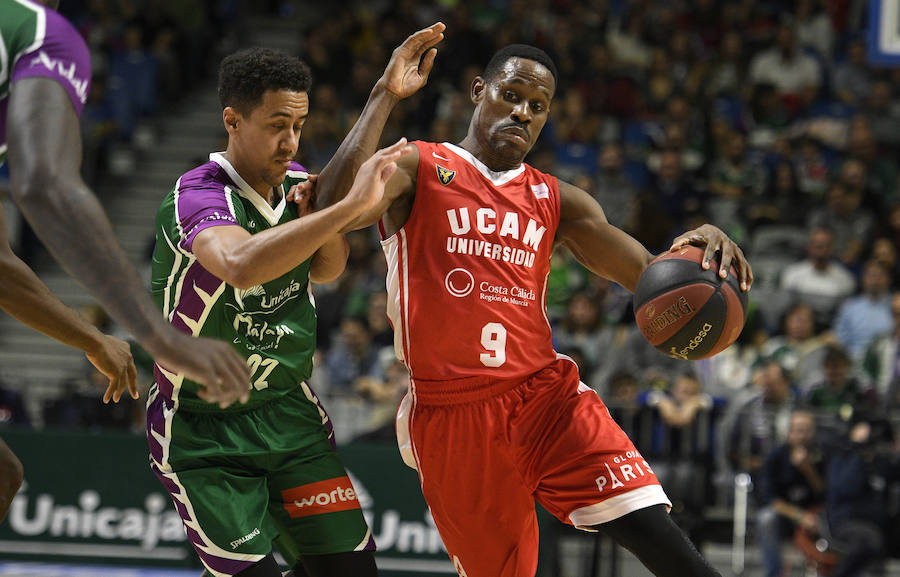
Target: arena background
[669,113]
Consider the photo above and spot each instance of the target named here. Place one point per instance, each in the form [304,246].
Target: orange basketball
[687,312]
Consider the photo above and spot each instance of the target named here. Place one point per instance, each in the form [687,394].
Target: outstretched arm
[25,297]
[44,148]
[244,260]
[613,254]
[405,74]
[601,247]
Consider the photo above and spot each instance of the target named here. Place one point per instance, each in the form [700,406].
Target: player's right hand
[215,365]
[368,186]
[411,62]
[114,360]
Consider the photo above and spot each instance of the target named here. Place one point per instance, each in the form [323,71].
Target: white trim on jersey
[365,541]
[40,29]
[207,546]
[497,178]
[273,215]
[4,71]
[618,506]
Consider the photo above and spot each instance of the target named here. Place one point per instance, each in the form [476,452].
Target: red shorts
[486,449]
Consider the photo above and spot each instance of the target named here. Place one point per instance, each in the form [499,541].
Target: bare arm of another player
[331,259]
[613,254]
[44,147]
[244,260]
[406,73]
[25,297]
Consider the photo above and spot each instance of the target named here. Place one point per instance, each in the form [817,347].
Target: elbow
[328,276]
[35,186]
[241,278]
[239,273]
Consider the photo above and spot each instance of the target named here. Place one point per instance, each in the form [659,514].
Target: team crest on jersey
[445,175]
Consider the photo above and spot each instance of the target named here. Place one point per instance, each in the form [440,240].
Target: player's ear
[230,118]
[478,88]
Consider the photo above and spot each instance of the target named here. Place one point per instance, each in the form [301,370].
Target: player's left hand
[114,360]
[717,241]
[304,195]
[411,62]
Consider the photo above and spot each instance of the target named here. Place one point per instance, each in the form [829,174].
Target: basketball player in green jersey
[233,261]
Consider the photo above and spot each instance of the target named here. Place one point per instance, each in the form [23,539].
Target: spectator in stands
[814,28]
[812,173]
[881,363]
[780,201]
[799,348]
[614,190]
[839,389]
[12,408]
[671,196]
[584,328]
[651,368]
[851,80]
[350,357]
[679,406]
[379,325]
[863,318]
[819,280]
[844,213]
[861,473]
[883,112]
[795,75]
[756,421]
[727,71]
[884,251]
[790,487]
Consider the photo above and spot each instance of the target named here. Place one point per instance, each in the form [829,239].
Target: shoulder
[51,47]
[208,176]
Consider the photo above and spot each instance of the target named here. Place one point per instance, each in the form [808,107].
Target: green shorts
[241,480]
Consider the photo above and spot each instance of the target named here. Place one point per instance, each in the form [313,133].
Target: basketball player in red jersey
[494,417]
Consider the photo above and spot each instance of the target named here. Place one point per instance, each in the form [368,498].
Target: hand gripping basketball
[685,311]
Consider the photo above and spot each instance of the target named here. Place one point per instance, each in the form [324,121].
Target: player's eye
[537,106]
[511,96]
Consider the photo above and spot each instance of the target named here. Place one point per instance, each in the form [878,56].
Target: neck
[256,183]
[487,156]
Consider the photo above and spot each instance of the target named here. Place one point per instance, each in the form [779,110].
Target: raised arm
[44,148]
[405,74]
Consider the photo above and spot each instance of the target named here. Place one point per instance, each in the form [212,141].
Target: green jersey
[37,42]
[272,325]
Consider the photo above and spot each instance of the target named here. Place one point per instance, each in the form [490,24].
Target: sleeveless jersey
[467,273]
[272,325]
[36,41]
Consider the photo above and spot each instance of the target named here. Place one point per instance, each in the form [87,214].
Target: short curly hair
[525,51]
[246,75]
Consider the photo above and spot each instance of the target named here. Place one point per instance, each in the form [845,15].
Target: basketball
[687,312]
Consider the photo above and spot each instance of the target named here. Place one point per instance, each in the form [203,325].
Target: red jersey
[467,273]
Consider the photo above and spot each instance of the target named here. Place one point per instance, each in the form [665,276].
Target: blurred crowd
[762,117]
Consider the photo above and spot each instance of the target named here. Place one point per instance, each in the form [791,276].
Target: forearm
[25,297]
[269,254]
[90,253]
[359,144]
[330,260]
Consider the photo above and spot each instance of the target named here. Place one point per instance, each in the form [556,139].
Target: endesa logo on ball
[326,496]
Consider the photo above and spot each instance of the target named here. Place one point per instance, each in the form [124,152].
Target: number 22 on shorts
[493,339]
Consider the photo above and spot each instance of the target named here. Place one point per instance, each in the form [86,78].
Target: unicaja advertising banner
[91,498]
